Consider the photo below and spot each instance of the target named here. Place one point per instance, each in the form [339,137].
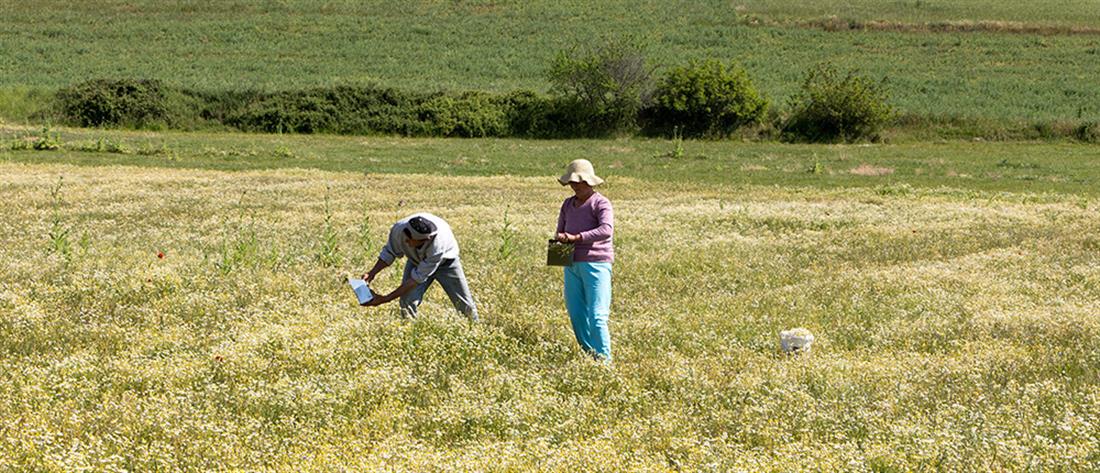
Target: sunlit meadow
[175,319]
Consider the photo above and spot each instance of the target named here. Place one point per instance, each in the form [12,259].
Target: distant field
[955,315]
[507,45]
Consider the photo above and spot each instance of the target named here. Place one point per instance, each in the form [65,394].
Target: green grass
[1057,12]
[24,104]
[955,316]
[508,45]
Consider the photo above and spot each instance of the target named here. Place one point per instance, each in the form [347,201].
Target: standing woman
[586,220]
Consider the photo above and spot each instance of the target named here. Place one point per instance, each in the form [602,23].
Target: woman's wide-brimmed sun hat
[580,170]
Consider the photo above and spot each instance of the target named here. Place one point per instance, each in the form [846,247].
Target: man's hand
[378,267]
[375,300]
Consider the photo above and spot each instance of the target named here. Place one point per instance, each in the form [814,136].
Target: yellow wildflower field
[170,319]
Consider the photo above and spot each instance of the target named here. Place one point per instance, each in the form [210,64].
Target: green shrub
[372,109]
[1088,132]
[705,99]
[472,114]
[537,116]
[831,107]
[564,118]
[220,106]
[526,113]
[47,141]
[367,110]
[291,113]
[341,109]
[105,102]
[600,91]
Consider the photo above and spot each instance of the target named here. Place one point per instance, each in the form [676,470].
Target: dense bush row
[338,110]
[598,92]
[134,103]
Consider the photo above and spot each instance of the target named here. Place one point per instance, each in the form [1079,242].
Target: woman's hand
[568,238]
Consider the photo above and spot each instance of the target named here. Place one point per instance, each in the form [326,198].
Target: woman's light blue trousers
[588,300]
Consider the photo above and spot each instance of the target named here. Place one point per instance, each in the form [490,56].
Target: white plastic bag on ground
[796,340]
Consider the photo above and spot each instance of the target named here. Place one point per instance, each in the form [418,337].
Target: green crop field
[955,315]
[508,45]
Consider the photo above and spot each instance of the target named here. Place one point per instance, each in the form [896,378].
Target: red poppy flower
[160,255]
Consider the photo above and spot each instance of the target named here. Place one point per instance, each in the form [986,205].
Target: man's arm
[378,266]
[390,252]
[419,274]
[400,291]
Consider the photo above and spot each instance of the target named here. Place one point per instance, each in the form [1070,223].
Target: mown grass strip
[980,166]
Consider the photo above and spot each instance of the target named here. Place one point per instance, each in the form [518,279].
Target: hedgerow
[337,110]
[599,94]
[115,102]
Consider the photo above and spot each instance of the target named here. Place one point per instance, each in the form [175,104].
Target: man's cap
[421,228]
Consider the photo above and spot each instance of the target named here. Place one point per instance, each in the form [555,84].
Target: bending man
[432,255]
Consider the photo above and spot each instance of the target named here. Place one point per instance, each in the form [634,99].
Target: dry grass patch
[618,149]
[871,170]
